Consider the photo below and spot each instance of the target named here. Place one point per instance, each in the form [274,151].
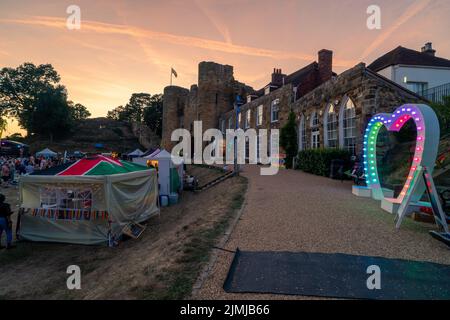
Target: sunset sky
[128,46]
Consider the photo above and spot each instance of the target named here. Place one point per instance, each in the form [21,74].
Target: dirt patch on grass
[163,264]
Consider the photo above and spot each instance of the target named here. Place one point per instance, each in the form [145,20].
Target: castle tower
[215,92]
[174,104]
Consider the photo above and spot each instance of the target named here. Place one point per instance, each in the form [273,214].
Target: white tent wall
[166,162]
[133,198]
[130,197]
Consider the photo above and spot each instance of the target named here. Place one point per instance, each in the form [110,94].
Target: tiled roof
[405,56]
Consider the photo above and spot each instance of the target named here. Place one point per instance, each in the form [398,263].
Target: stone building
[331,110]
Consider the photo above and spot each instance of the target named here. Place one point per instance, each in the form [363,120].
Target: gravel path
[295,211]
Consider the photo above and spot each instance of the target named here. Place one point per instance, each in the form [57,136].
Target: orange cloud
[410,12]
[115,29]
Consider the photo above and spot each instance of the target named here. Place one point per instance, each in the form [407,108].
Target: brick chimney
[325,65]
[277,78]
[428,49]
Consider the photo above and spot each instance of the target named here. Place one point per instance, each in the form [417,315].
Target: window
[222,125]
[349,126]
[331,129]
[315,133]
[247,119]
[64,198]
[274,110]
[302,134]
[259,115]
[417,87]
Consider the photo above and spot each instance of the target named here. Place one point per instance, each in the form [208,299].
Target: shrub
[318,161]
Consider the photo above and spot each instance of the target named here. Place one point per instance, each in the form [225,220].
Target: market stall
[89,201]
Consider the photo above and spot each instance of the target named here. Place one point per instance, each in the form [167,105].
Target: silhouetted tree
[51,114]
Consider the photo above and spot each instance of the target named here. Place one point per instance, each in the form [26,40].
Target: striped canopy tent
[89,201]
[93,166]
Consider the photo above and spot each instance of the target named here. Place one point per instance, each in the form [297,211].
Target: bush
[318,161]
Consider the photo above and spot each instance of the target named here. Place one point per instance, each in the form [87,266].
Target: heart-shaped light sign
[427,126]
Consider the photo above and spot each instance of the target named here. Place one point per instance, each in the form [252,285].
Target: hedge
[318,161]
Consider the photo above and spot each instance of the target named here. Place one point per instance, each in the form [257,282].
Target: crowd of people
[12,167]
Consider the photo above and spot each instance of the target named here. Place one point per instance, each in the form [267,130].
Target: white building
[421,72]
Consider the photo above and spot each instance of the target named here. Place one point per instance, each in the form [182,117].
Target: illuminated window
[259,115]
[274,110]
[349,126]
[331,128]
[315,132]
[247,119]
[302,143]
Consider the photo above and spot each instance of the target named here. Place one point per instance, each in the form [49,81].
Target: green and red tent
[93,166]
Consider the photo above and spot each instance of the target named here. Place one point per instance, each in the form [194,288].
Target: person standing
[5,174]
[5,221]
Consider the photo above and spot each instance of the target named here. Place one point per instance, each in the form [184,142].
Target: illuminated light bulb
[374,180]
[397,125]
[419,128]
[398,112]
[371,161]
[407,186]
[420,138]
[365,162]
[403,193]
[413,113]
[416,159]
[417,119]
[414,168]
[409,109]
[364,149]
[393,116]
[418,148]
[371,156]
[389,121]
[365,156]
[403,109]
[401,121]
[410,178]
[373,174]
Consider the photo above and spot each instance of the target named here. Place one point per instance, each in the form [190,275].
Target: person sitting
[5,221]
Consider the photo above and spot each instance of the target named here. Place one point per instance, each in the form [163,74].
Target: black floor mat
[335,275]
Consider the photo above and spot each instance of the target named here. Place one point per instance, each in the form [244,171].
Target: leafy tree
[288,139]
[142,107]
[20,88]
[116,113]
[51,114]
[153,114]
[78,111]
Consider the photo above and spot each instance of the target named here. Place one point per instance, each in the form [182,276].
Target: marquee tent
[135,153]
[46,153]
[89,201]
[170,170]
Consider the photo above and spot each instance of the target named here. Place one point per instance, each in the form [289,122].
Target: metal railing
[437,94]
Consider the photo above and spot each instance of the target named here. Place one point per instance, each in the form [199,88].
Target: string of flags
[70,214]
